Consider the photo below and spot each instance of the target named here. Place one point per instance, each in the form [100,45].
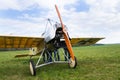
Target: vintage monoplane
[47,47]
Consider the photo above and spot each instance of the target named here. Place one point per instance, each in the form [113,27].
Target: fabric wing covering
[28,42]
[20,42]
[84,41]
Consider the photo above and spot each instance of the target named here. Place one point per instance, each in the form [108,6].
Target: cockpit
[52,31]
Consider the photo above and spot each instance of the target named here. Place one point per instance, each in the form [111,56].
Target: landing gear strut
[46,61]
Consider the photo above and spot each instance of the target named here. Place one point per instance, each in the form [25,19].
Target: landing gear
[49,58]
[32,68]
[72,63]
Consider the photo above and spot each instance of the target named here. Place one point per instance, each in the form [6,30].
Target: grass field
[94,63]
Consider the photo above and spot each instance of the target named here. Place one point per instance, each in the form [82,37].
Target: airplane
[48,46]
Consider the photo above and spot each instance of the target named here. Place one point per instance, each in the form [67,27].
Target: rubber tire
[73,64]
[32,68]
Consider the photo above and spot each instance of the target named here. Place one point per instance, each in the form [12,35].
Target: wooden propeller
[67,41]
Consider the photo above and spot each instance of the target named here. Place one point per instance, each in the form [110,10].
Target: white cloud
[102,18]
[25,4]
[16,4]
[6,4]
[17,27]
[50,3]
[106,6]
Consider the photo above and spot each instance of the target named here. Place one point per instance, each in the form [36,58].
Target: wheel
[32,68]
[73,63]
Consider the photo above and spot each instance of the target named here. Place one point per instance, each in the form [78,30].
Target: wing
[84,41]
[14,42]
[20,42]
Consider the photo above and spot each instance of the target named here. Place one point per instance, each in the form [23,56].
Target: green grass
[94,63]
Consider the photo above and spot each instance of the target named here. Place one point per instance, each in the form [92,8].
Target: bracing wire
[50,21]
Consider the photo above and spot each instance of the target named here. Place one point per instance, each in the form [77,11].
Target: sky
[83,18]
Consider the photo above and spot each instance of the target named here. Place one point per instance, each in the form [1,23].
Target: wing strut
[67,41]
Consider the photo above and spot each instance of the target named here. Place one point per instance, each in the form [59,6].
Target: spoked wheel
[32,68]
[73,63]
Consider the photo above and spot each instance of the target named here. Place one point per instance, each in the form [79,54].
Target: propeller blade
[67,41]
